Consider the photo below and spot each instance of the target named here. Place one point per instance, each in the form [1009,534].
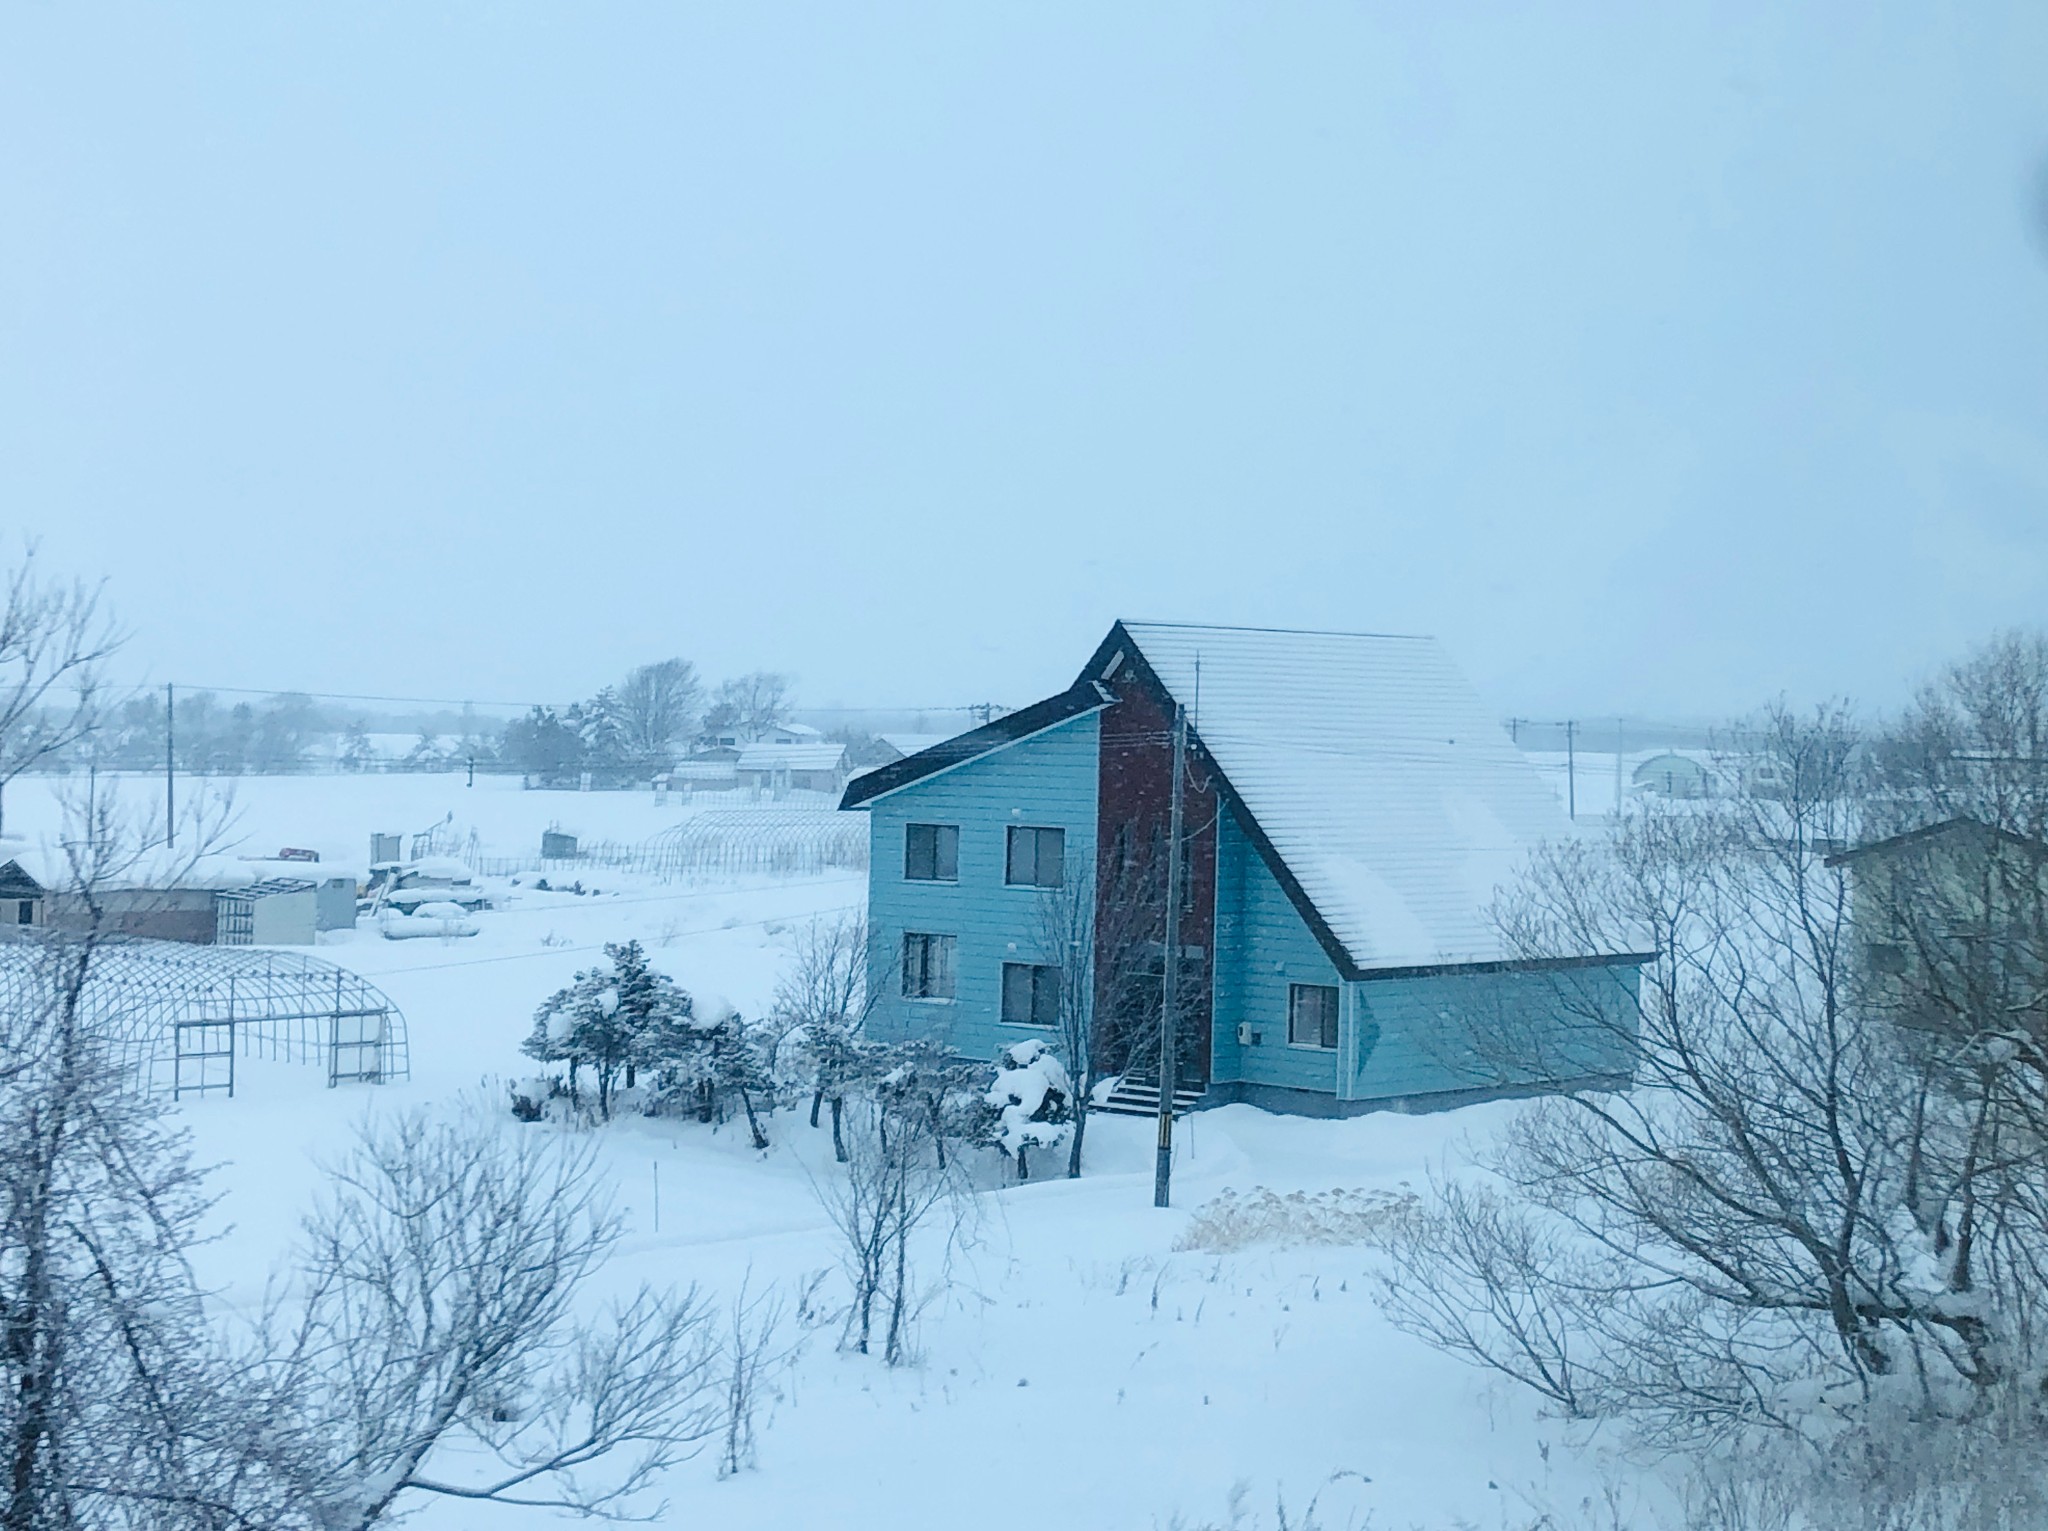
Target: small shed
[1674,775]
[278,911]
[21,896]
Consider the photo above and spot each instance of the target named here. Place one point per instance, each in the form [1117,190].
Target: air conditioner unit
[1246,1037]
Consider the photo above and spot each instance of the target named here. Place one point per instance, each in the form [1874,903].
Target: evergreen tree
[356,753]
[543,746]
[601,725]
[707,1063]
[614,1019]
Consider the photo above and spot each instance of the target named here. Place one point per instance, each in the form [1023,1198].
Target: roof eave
[1078,700]
[1504,965]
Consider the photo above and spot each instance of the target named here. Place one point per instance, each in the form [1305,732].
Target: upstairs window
[1037,859]
[1031,994]
[1312,1015]
[931,852]
[928,963]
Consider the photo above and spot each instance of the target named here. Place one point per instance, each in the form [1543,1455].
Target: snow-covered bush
[1261,1217]
[1031,1101]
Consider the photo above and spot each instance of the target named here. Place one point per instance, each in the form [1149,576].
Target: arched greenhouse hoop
[178,1016]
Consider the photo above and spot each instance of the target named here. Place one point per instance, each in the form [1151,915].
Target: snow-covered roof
[702,770]
[1378,777]
[160,869]
[791,757]
[912,744]
[799,731]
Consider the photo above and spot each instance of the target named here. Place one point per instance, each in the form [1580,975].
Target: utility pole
[170,766]
[1169,986]
[1619,725]
[472,772]
[1571,769]
[1515,731]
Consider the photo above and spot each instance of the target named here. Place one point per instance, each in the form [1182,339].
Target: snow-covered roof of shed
[1374,771]
[791,757]
[161,868]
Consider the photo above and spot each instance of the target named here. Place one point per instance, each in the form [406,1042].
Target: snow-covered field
[1076,1370]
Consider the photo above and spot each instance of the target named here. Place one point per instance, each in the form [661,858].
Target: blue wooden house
[1349,809]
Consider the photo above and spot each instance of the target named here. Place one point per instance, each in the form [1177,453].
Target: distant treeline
[656,715]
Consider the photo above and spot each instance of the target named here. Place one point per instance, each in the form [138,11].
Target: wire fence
[737,842]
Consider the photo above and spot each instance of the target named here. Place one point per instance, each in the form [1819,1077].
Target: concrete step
[1140,1097]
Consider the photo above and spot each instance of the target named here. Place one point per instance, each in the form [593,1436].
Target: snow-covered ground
[1076,1370]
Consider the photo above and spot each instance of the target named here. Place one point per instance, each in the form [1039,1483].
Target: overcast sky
[1658,357]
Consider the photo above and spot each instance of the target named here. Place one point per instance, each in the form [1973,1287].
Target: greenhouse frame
[178,1016]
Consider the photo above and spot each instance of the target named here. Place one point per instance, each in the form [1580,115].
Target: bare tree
[886,1192]
[1768,1229]
[116,1406]
[823,1000]
[657,709]
[432,1348]
[1105,942]
[1067,923]
[54,638]
[750,1344]
[750,705]
[1974,744]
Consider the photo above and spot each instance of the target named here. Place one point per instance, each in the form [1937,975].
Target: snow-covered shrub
[1031,1101]
[530,1097]
[1261,1217]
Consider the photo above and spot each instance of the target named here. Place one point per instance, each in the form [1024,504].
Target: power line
[977,709]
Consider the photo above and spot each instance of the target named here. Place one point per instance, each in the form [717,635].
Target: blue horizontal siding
[1488,1031]
[1262,946]
[1048,780]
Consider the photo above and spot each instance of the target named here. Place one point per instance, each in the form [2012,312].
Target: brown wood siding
[1133,799]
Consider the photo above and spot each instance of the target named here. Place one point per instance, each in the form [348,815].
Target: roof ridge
[1295,632]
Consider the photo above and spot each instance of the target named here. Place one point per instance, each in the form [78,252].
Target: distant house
[1673,775]
[903,746]
[787,767]
[735,739]
[1951,921]
[1350,809]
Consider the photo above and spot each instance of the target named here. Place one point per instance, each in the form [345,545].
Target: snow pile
[1030,1097]
[437,919]
[1260,1217]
